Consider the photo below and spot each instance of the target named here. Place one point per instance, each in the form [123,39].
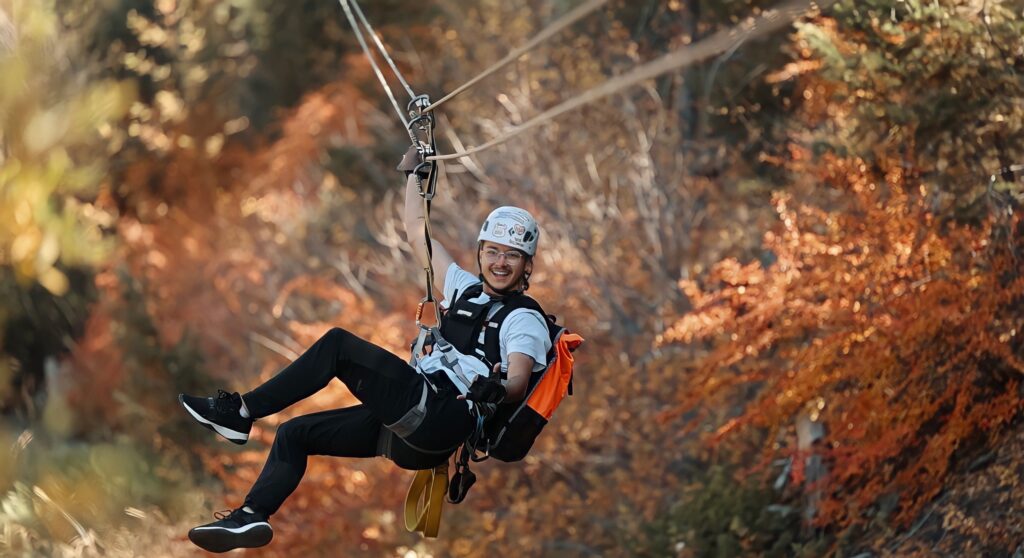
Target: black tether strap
[421,130]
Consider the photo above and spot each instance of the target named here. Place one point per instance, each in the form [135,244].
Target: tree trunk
[808,433]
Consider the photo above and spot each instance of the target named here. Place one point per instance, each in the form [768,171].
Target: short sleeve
[525,331]
[456,280]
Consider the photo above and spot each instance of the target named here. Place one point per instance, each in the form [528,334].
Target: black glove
[487,390]
[412,162]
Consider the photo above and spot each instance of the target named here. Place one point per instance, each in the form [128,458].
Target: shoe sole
[220,539]
[231,435]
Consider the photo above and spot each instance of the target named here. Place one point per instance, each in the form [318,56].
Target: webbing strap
[413,418]
[423,124]
[425,500]
[418,344]
[429,269]
[450,361]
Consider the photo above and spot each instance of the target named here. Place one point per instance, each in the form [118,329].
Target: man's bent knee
[337,335]
[291,431]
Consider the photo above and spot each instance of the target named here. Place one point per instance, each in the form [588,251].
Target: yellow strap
[425,499]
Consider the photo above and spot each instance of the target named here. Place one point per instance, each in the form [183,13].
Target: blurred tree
[870,294]
[907,357]
[629,204]
[51,170]
[939,81]
[232,197]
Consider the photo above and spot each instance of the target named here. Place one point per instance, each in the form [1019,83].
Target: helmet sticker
[512,226]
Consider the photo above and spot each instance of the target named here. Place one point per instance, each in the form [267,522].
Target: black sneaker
[219,414]
[236,529]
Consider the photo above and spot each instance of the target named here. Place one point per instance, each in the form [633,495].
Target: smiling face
[503,267]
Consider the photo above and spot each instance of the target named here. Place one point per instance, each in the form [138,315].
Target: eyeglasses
[512,256]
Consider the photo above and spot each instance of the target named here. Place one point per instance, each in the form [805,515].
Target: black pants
[387,388]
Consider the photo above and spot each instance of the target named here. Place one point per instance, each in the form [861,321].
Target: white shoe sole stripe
[222,539]
[226,432]
[236,530]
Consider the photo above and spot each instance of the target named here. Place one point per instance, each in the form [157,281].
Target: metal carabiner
[419,310]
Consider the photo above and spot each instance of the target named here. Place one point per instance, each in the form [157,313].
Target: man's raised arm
[413,217]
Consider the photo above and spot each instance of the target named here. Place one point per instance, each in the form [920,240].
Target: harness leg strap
[412,419]
[384,441]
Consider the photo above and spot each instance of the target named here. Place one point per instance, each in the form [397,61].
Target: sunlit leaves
[941,76]
[244,230]
[903,334]
[49,156]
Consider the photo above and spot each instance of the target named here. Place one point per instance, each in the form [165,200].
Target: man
[416,416]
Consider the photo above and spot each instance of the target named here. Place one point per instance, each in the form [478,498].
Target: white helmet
[513,227]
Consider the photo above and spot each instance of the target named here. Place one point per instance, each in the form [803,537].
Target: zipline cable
[376,69]
[566,20]
[768,21]
[380,47]
[422,121]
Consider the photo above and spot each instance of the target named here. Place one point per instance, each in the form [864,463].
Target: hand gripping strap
[425,500]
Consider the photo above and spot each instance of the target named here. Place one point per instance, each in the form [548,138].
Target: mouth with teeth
[501,275]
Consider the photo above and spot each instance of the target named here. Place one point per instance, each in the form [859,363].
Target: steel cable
[381,48]
[768,21]
[566,20]
[376,69]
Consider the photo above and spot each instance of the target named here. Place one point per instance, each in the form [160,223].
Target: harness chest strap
[450,361]
[473,327]
[418,344]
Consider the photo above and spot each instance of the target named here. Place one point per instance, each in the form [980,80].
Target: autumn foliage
[803,229]
[899,331]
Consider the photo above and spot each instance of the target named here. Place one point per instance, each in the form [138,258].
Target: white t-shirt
[523,331]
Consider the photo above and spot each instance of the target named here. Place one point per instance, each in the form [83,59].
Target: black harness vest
[465,325]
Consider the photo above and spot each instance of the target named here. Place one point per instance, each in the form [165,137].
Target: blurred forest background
[797,264]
